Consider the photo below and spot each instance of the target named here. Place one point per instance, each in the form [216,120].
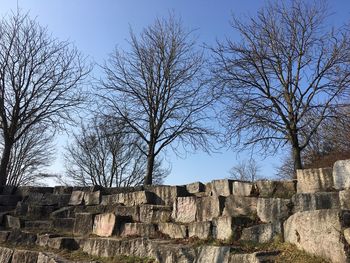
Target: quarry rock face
[173,224]
[319,232]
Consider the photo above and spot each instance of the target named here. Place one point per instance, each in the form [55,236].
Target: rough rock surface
[315,180]
[341,172]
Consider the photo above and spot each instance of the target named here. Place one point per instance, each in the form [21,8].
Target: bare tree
[284,78]
[106,153]
[29,156]
[246,171]
[157,88]
[39,80]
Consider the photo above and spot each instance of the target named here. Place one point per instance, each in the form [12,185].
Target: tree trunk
[4,163]
[150,165]
[297,158]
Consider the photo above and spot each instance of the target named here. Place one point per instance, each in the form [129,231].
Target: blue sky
[97,26]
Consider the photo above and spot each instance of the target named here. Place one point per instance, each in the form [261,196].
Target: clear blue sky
[97,26]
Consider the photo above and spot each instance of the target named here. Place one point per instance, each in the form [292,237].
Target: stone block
[166,195]
[240,206]
[38,212]
[196,187]
[341,174]
[262,233]
[92,198]
[59,200]
[3,236]
[256,257]
[26,190]
[344,199]
[38,224]
[155,213]
[67,243]
[5,255]
[129,199]
[346,234]
[64,212]
[127,211]
[77,198]
[173,230]
[9,200]
[138,229]
[224,228]
[211,254]
[220,187]
[105,225]
[185,209]
[201,230]
[83,224]
[13,222]
[315,201]
[43,239]
[243,188]
[18,237]
[278,189]
[209,207]
[64,224]
[58,190]
[273,209]
[319,232]
[315,180]
[24,256]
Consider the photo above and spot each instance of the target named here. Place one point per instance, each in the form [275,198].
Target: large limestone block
[105,225]
[24,256]
[127,211]
[64,224]
[196,187]
[155,213]
[26,190]
[240,206]
[213,254]
[129,199]
[63,212]
[315,201]
[173,230]
[38,224]
[243,188]
[315,180]
[17,237]
[273,209]
[201,230]
[67,243]
[166,195]
[209,207]
[185,209]
[347,235]
[280,189]
[224,228]
[319,232]
[262,233]
[76,198]
[13,222]
[5,255]
[92,198]
[341,174]
[83,223]
[220,187]
[344,198]
[138,229]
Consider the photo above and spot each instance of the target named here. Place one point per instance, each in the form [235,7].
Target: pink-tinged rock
[201,230]
[185,209]
[209,207]
[172,230]
[138,229]
[92,198]
[104,225]
[76,198]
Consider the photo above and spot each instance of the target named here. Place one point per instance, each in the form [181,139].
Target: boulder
[129,199]
[92,198]
[315,180]
[240,206]
[138,229]
[209,207]
[279,189]
[24,256]
[76,198]
[315,201]
[83,224]
[346,234]
[127,211]
[213,254]
[13,222]
[341,174]
[273,209]
[43,239]
[5,255]
[166,195]
[196,187]
[243,188]
[262,233]
[185,209]
[344,199]
[201,230]
[67,243]
[155,213]
[319,232]
[173,230]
